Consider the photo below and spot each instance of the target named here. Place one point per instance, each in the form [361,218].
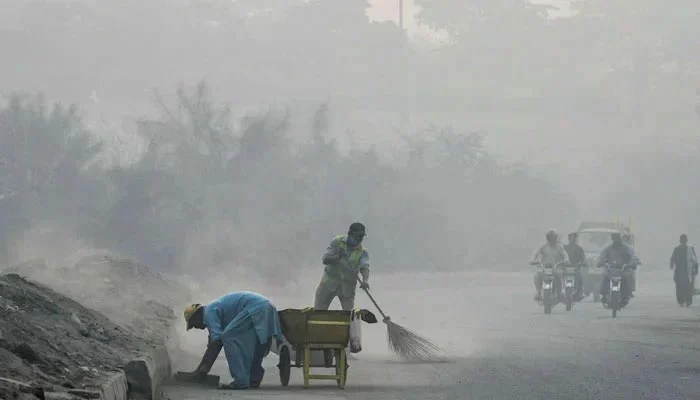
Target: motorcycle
[550,296]
[615,293]
[569,277]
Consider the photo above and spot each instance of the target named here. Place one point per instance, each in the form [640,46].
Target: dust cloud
[224,144]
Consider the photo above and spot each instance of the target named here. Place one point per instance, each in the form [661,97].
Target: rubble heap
[49,340]
[128,292]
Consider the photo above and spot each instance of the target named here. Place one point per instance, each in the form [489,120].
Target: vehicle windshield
[594,242]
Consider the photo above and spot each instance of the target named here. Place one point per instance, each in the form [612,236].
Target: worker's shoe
[233,386]
[255,383]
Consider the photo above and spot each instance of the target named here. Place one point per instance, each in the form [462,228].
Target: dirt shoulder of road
[70,327]
[51,341]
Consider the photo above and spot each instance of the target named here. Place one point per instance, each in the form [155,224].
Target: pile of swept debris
[48,340]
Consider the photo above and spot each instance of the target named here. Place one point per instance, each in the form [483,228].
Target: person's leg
[257,372]
[579,284]
[605,286]
[626,287]
[559,284]
[239,347]
[691,289]
[687,292]
[679,291]
[537,279]
[347,302]
[324,296]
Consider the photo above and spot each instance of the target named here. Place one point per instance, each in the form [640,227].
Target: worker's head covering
[190,311]
[684,238]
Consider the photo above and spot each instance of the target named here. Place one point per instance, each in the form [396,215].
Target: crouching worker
[243,323]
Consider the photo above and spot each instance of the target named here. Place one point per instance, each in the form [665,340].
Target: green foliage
[206,196]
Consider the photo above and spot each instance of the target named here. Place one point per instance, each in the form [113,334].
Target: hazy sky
[383,10]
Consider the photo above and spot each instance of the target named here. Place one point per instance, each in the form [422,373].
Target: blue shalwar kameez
[245,322]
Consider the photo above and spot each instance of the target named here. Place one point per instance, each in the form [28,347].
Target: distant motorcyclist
[551,252]
[577,258]
[627,239]
[617,253]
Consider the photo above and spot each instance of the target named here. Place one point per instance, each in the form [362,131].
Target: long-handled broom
[404,342]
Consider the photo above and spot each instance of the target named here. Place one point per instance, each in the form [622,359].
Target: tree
[44,151]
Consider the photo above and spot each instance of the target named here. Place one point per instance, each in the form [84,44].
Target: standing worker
[343,260]
[684,262]
[243,323]
[577,258]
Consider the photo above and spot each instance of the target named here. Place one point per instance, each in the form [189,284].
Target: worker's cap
[189,313]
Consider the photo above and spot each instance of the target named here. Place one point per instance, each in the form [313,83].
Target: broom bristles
[410,345]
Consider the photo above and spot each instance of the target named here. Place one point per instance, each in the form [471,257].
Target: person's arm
[364,269]
[694,260]
[603,257]
[672,261]
[213,319]
[563,255]
[581,255]
[634,261]
[332,255]
[536,256]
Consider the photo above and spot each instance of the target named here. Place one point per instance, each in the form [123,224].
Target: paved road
[501,346]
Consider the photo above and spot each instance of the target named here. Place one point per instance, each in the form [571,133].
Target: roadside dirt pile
[128,292]
[51,341]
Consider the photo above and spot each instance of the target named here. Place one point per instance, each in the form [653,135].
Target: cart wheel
[341,367]
[285,365]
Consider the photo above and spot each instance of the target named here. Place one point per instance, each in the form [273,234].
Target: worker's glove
[364,285]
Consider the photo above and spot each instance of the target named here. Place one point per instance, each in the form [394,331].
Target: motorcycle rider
[617,253]
[551,252]
[577,258]
[627,239]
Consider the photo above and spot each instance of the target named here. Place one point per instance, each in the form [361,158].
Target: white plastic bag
[355,332]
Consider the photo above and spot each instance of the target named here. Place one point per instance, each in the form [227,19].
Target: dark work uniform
[683,273]
[577,257]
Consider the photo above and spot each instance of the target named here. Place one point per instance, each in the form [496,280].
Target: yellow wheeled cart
[308,331]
